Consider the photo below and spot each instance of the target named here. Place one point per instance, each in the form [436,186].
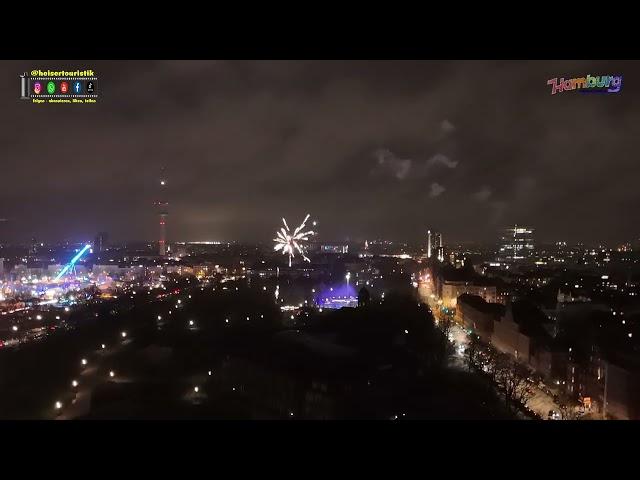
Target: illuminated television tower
[163,213]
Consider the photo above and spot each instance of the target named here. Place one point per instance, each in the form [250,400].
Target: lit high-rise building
[434,243]
[516,243]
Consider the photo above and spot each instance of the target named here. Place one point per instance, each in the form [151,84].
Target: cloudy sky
[370,149]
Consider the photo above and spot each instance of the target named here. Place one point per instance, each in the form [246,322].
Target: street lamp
[209,372]
[124,334]
[84,361]
[191,323]
[112,374]
[74,384]
[103,346]
[58,405]
[196,389]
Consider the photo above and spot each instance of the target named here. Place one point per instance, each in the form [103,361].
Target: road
[91,376]
[540,402]
[88,380]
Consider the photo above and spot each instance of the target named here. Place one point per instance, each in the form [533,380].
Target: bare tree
[473,348]
[446,348]
[567,407]
[512,379]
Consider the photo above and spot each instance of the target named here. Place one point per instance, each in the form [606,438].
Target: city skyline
[375,149]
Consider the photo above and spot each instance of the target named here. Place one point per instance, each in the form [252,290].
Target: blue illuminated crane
[73,261]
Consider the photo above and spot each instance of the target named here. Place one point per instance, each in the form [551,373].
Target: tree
[363,297]
[445,347]
[567,407]
[473,348]
[512,379]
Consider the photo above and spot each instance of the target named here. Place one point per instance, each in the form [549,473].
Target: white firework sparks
[289,242]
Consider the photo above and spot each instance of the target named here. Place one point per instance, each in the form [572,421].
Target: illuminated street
[540,402]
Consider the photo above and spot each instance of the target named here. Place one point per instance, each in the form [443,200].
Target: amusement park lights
[289,242]
[72,262]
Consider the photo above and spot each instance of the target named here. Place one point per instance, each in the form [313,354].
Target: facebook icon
[77,87]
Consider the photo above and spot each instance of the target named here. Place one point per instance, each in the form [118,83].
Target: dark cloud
[436,190]
[359,145]
[483,194]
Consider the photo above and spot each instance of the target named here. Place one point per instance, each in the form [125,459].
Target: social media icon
[64,87]
[91,86]
[77,87]
[51,88]
[37,88]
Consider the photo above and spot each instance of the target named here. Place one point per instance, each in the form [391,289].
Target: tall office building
[100,244]
[516,244]
[434,243]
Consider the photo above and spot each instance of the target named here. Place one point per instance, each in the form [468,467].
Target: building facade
[516,244]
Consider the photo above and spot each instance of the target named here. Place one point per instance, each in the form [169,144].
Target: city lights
[411,213]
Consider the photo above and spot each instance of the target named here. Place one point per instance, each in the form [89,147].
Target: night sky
[375,149]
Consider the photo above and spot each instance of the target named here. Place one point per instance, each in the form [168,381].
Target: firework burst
[289,242]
